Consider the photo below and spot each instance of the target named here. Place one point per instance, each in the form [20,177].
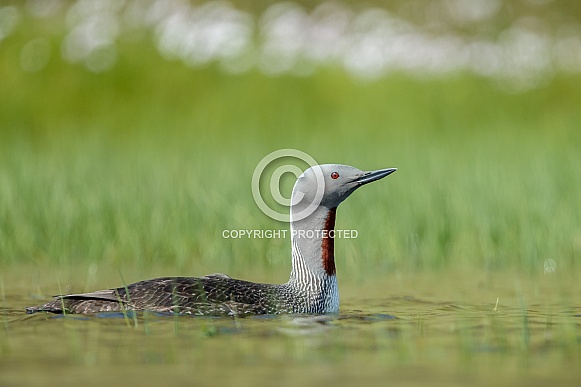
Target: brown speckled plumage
[214,294]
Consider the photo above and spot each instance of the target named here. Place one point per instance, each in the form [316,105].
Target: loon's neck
[312,247]
[313,257]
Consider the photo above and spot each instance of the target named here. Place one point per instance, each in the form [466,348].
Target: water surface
[515,332]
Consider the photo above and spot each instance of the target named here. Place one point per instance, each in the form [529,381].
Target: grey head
[328,185]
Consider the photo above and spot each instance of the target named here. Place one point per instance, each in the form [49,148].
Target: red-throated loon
[312,287]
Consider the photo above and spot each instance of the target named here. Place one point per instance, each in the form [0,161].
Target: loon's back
[208,295]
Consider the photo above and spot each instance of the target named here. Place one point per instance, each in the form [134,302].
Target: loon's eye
[334,175]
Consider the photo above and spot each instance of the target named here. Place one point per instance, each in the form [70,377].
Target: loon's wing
[211,294]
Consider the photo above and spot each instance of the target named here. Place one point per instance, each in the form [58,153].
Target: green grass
[146,165]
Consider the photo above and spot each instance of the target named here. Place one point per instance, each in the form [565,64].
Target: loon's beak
[369,177]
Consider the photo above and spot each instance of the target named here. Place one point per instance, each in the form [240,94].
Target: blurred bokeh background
[129,131]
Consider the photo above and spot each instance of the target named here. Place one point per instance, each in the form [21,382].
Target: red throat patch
[328,245]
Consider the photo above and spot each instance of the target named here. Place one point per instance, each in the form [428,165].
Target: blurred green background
[129,132]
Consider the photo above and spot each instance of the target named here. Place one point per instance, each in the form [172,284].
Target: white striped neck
[313,258]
